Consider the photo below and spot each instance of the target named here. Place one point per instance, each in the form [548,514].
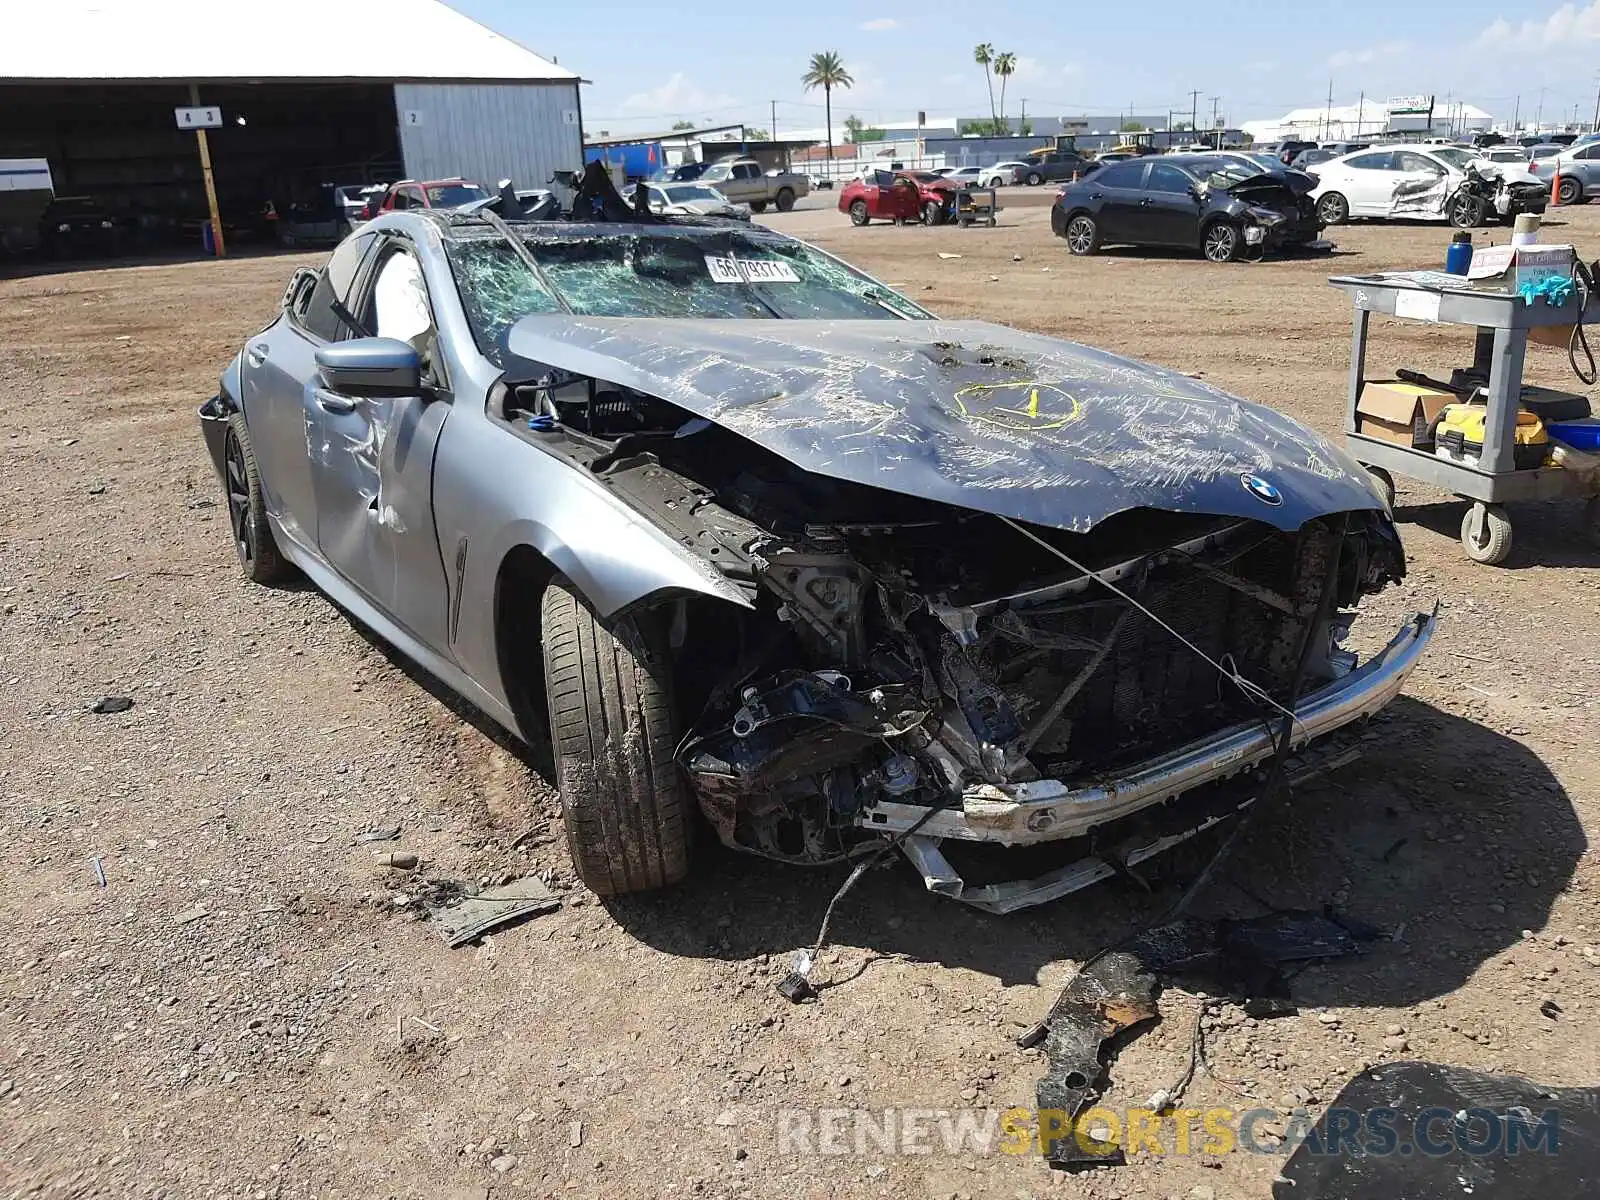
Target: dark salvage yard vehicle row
[742,530]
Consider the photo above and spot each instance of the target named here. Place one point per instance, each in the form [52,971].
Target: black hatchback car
[1226,206]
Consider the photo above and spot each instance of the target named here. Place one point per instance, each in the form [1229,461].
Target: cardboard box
[1507,268]
[1392,410]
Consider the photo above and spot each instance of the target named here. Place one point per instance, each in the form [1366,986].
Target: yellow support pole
[211,183]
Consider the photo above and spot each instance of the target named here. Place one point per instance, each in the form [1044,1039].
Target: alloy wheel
[1080,235]
[239,501]
[1222,242]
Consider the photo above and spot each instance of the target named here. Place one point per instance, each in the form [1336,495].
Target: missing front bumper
[1050,810]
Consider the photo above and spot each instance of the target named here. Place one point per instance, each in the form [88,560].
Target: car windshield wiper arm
[883,302]
[350,320]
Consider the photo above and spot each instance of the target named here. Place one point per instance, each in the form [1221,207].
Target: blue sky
[654,62]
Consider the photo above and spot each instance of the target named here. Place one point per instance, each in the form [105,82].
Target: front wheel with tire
[613,735]
[1468,212]
[1221,242]
[1333,209]
[1570,191]
[785,199]
[1486,533]
[1034,179]
[1083,235]
[247,511]
[858,212]
[758,206]
[933,213]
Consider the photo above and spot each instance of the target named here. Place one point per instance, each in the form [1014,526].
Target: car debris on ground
[473,916]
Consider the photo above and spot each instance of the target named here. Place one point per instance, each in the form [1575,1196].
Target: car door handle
[257,354]
[333,402]
[1096,196]
[1146,202]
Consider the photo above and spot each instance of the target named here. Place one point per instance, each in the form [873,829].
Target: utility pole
[1194,110]
[1516,113]
[1327,115]
[1216,133]
[774,130]
[1594,126]
[1538,113]
[1361,111]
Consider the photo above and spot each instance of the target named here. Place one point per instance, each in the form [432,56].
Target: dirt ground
[243,1009]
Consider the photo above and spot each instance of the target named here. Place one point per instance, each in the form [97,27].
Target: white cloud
[1561,30]
[1370,54]
[1031,70]
[880,25]
[677,97]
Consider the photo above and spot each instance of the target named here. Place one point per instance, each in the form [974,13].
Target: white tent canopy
[168,40]
[1349,122]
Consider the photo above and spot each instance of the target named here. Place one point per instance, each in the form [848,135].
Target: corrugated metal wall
[487,132]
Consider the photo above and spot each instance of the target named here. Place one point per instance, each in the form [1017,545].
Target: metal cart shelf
[1502,320]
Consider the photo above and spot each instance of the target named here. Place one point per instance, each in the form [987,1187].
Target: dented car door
[278,379]
[374,472]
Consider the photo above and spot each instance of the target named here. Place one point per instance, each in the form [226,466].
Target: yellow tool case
[1458,436]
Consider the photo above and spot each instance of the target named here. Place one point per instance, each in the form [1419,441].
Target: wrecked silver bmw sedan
[735,528]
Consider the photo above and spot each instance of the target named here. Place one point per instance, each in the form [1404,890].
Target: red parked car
[898,196]
[435,193]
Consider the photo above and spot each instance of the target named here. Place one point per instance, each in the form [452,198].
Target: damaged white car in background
[1426,183]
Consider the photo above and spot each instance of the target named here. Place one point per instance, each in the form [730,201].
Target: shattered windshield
[1454,155]
[1223,173]
[693,273]
[684,193]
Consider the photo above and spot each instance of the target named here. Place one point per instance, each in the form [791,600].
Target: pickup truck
[742,181]
[1055,166]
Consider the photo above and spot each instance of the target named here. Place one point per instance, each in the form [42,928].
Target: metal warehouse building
[311,91]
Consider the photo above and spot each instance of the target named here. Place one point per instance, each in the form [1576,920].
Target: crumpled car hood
[970,414]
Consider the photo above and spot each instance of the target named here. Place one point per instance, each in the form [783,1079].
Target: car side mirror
[374,366]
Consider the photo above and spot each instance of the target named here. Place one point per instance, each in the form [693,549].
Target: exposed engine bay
[905,656]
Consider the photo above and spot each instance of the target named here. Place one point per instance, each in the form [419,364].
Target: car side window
[1164,177]
[319,318]
[1589,152]
[1378,160]
[1411,162]
[745,171]
[1119,175]
[397,305]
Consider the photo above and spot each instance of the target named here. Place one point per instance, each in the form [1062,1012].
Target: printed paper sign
[1418,305]
[746,270]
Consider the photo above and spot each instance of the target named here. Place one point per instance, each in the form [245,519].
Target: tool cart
[973,205]
[1491,478]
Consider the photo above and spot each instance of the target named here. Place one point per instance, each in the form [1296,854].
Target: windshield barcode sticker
[746,270]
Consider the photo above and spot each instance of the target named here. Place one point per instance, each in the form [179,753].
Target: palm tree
[983,55]
[827,72]
[1005,66]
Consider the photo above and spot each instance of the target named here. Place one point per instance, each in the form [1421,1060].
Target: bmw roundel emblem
[1261,489]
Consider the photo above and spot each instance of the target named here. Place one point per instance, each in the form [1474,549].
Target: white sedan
[1414,181]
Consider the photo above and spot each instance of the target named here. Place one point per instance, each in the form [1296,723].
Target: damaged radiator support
[962,669]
